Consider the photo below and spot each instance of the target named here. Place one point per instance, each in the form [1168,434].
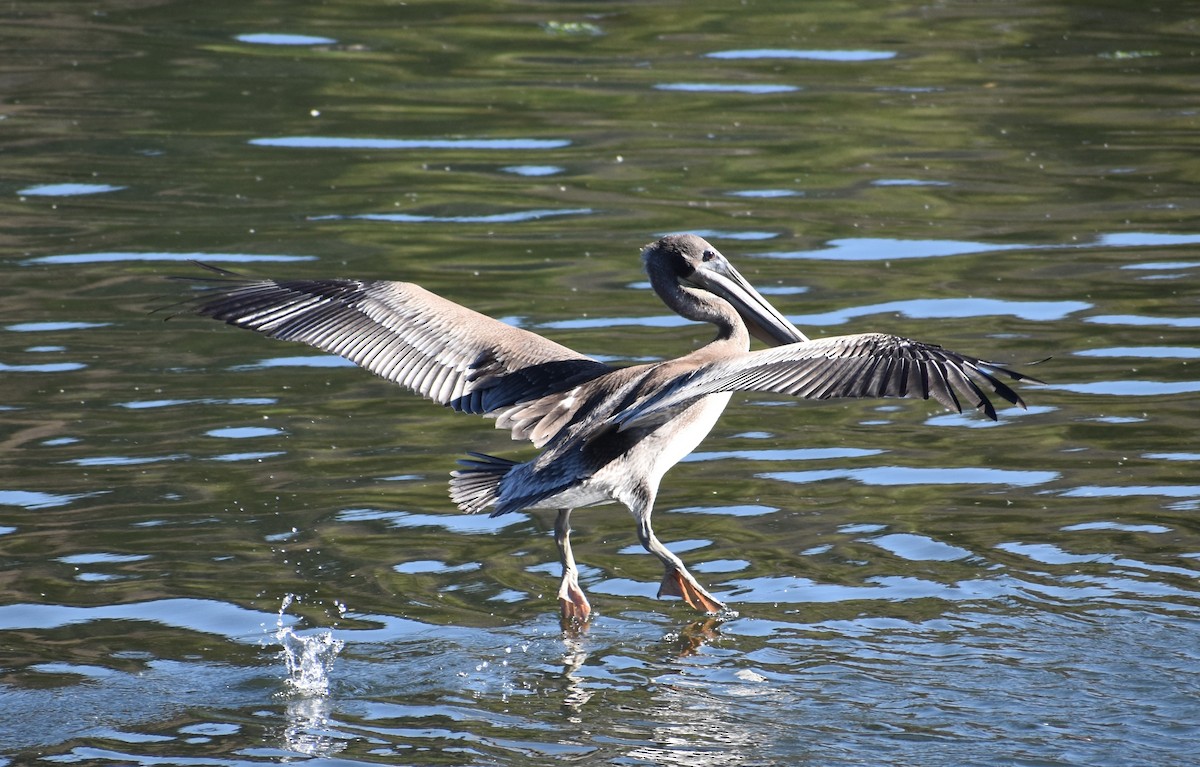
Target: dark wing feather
[406,334]
[858,366]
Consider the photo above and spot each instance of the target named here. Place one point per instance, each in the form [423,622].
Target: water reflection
[352,142]
[462,524]
[1144,321]
[892,249]
[1032,175]
[951,308]
[205,257]
[38,327]
[280,38]
[813,55]
[1130,388]
[907,475]
[308,730]
[67,190]
[510,217]
[1148,352]
[43,367]
[753,88]
[575,691]
[30,499]
[220,401]
[761,193]
[879,248]
[534,170]
[205,616]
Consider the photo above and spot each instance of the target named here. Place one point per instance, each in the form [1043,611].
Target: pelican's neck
[702,306]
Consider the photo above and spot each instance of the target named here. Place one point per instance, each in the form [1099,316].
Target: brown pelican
[606,434]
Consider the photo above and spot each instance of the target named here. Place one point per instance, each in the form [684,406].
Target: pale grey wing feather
[406,334]
[856,366]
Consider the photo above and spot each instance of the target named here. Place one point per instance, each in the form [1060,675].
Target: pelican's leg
[677,581]
[575,607]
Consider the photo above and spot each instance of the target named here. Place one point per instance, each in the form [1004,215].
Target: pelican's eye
[708,255]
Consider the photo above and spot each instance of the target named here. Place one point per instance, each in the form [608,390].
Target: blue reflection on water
[1162,265]
[1122,527]
[30,499]
[784,454]
[953,308]
[1140,320]
[243,432]
[510,217]
[1130,491]
[204,615]
[302,361]
[422,566]
[769,589]
[347,142]
[117,256]
[125,460]
[37,327]
[1129,388]
[533,170]
[1153,352]
[1173,456]
[764,193]
[906,475]
[157,403]
[919,548]
[279,38]
[736,510]
[67,190]
[894,249]
[888,249]
[811,55]
[726,234]
[255,456]
[48,367]
[467,524]
[753,88]
[101,558]
[908,182]
[1145,240]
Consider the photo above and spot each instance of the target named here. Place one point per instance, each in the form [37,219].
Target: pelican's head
[693,263]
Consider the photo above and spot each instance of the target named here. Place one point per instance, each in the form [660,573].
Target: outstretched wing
[406,334]
[858,366]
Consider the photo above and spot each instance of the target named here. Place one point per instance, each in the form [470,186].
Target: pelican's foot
[575,608]
[681,584]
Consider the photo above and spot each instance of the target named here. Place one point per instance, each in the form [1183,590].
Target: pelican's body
[606,434]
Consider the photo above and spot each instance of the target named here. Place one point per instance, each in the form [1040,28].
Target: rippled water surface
[219,549]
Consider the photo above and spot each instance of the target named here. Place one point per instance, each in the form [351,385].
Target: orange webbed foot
[574,604]
[684,586]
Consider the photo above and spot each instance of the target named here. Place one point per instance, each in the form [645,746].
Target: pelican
[605,433]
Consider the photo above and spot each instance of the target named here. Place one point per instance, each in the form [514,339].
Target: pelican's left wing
[856,366]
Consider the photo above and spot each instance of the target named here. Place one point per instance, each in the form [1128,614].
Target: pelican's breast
[677,438]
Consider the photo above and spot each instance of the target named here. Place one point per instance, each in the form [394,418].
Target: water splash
[308,658]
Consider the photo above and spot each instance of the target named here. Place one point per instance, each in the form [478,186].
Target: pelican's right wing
[406,334]
[857,366]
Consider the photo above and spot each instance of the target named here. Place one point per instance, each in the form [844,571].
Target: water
[222,550]
[308,658]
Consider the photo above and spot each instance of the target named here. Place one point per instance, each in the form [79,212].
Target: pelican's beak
[764,321]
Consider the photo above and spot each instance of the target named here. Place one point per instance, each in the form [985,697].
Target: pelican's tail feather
[477,485]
